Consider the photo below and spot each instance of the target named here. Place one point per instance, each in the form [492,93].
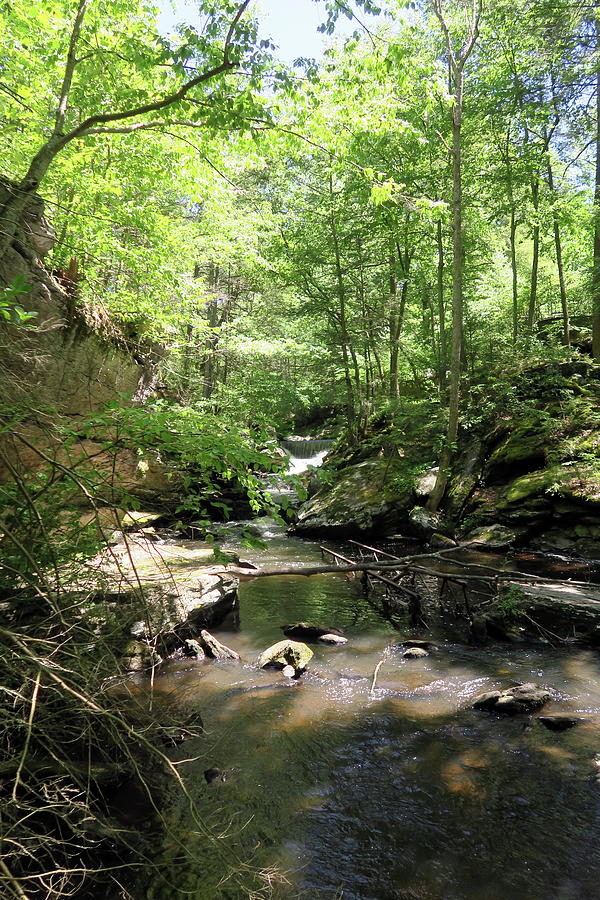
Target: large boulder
[371,495]
[426,483]
[423,523]
[286,653]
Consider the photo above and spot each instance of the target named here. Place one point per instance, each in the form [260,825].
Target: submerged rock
[313,632]
[559,721]
[214,774]
[415,653]
[525,698]
[286,653]
[332,638]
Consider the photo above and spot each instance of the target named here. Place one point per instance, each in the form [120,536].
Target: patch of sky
[291,24]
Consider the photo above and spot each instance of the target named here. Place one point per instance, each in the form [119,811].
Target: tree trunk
[559,262]
[457,298]
[443,363]
[344,338]
[596,264]
[513,267]
[531,312]
[394,330]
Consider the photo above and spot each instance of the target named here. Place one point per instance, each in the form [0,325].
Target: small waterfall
[305,453]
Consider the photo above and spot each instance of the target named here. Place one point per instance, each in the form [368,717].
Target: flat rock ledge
[570,611]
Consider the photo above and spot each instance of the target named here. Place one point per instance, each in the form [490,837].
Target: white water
[297,465]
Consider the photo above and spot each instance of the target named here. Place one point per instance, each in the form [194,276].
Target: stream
[400,792]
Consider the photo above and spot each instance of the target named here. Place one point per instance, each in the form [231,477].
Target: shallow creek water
[403,792]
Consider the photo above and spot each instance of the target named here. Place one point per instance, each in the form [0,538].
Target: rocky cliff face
[64,367]
[537,473]
[532,479]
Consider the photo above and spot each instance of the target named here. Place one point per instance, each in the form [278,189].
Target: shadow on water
[400,792]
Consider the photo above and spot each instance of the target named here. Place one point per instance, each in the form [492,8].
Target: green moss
[361,497]
[578,482]
[525,442]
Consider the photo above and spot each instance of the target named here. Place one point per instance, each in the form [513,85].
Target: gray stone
[415,653]
[307,632]
[193,648]
[426,483]
[568,610]
[138,656]
[423,522]
[441,541]
[331,638]
[524,698]
[215,648]
[284,653]
[495,537]
[417,642]
[365,497]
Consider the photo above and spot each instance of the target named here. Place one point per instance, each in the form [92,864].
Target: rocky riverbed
[337,781]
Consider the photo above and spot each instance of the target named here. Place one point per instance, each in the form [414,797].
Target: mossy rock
[572,481]
[286,653]
[370,495]
[494,536]
[525,444]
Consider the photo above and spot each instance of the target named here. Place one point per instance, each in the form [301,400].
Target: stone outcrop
[69,363]
[570,611]
[366,497]
[535,478]
[164,618]
[531,478]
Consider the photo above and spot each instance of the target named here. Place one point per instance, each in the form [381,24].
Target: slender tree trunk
[513,267]
[559,262]
[457,299]
[344,338]
[443,357]
[532,308]
[512,242]
[596,263]
[394,329]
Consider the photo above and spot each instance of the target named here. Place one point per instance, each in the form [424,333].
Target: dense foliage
[378,242]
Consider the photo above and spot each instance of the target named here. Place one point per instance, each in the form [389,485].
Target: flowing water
[306,453]
[397,792]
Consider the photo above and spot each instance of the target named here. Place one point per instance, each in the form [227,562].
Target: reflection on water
[397,792]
